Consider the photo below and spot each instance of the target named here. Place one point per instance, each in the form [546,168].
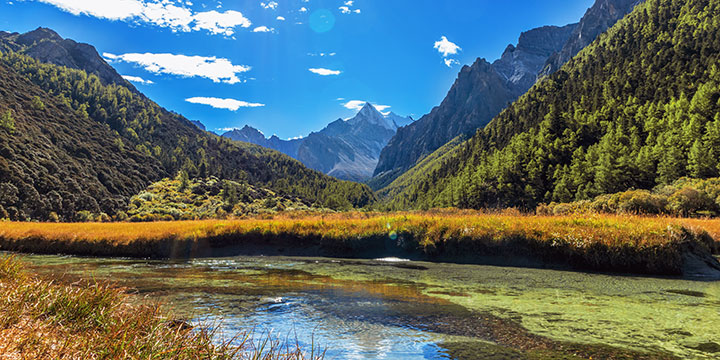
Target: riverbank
[607,243]
[45,319]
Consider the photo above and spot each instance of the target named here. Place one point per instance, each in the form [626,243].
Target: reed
[624,243]
[43,319]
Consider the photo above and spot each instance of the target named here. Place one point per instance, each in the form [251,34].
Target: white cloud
[451,62]
[162,13]
[303,9]
[322,54]
[346,8]
[280,18]
[357,105]
[269,5]
[263,29]
[446,47]
[325,72]
[215,69]
[229,104]
[137,79]
[220,23]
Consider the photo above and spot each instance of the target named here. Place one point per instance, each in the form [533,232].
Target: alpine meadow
[311,179]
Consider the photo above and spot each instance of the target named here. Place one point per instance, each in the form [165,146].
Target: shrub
[37,103]
[688,201]
[84,216]
[7,121]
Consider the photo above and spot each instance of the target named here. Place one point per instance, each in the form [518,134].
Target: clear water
[391,309]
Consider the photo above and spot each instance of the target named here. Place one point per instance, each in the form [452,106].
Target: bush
[7,121]
[689,201]
[37,103]
[84,216]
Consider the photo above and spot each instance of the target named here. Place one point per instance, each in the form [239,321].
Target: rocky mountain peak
[47,46]
[37,36]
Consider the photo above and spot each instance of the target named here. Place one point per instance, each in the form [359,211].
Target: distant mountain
[254,136]
[66,153]
[346,149]
[482,90]
[198,124]
[47,46]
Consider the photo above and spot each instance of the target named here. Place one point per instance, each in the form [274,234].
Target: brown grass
[40,319]
[602,242]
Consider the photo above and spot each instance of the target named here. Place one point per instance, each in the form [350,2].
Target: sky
[290,67]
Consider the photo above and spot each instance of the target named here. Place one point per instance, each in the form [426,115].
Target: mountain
[345,149]
[349,149]
[483,90]
[71,144]
[480,92]
[254,136]
[198,124]
[47,46]
[636,109]
[600,17]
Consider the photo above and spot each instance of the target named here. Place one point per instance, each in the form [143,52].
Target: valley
[559,202]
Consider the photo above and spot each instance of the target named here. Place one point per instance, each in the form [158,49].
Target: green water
[372,309]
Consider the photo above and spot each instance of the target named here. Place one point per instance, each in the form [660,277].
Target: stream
[396,309]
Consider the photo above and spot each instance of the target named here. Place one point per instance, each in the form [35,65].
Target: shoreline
[608,244]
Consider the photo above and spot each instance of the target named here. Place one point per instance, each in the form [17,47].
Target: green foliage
[7,121]
[37,103]
[102,144]
[685,197]
[636,109]
[210,198]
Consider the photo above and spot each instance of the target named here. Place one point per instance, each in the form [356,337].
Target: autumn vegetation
[44,319]
[620,243]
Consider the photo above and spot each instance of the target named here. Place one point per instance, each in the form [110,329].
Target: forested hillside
[637,108]
[68,143]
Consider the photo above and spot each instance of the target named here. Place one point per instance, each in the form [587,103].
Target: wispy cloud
[451,62]
[163,13]
[137,79]
[218,103]
[446,47]
[324,72]
[215,69]
[357,105]
[269,5]
[263,29]
[348,10]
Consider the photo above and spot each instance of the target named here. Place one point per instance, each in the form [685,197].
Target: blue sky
[289,67]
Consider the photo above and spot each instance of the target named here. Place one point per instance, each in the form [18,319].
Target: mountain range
[75,136]
[345,149]
[483,89]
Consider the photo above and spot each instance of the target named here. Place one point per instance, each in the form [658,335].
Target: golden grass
[600,242]
[40,319]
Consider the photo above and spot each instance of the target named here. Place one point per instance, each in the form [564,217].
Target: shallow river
[390,309]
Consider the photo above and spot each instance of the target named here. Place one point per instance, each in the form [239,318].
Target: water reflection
[388,308]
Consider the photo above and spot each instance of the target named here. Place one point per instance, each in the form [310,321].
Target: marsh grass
[622,243]
[42,319]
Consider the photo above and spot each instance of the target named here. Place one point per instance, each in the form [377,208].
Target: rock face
[345,149]
[47,46]
[480,92]
[254,136]
[483,90]
[520,64]
[600,17]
